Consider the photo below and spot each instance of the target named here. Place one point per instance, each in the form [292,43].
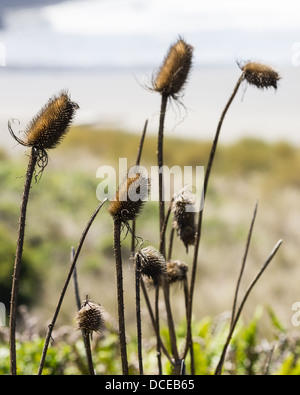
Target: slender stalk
[18,262]
[218,370]
[154,322]
[87,344]
[71,270]
[138,314]
[120,291]
[243,265]
[200,218]
[137,163]
[75,279]
[158,348]
[160,162]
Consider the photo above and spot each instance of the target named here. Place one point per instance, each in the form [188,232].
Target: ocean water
[122,99]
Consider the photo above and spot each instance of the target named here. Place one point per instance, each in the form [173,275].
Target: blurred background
[105,53]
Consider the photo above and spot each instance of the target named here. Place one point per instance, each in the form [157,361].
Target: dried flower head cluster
[50,125]
[152,263]
[184,218]
[260,75]
[90,317]
[174,72]
[176,271]
[130,197]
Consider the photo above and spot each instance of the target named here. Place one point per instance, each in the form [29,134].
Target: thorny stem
[18,261]
[218,370]
[120,291]
[72,267]
[199,226]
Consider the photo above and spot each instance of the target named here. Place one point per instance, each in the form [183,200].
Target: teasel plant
[169,81]
[124,207]
[262,77]
[44,132]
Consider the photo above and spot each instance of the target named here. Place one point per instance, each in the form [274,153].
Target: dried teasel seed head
[260,75]
[50,125]
[152,263]
[176,271]
[184,219]
[90,317]
[174,72]
[131,195]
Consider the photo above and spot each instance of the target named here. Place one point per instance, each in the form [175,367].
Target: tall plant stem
[69,276]
[218,370]
[18,262]
[120,291]
[138,313]
[87,345]
[199,225]
[160,163]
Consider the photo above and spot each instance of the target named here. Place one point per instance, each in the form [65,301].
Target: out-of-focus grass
[65,197]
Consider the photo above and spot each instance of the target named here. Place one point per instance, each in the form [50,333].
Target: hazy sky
[96,36]
[126,32]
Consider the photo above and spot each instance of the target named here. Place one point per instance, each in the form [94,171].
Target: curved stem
[218,370]
[18,262]
[69,276]
[206,179]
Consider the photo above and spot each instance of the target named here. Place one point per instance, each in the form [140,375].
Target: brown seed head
[174,72]
[130,197]
[260,75]
[49,126]
[184,219]
[176,271]
[152,263]
[89,317]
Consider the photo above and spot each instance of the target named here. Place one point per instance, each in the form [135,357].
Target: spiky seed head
[174,72]
[50,125]
[131,196]
[152,263]
[90,317]
[184,219]
[260,75]
[176,271]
